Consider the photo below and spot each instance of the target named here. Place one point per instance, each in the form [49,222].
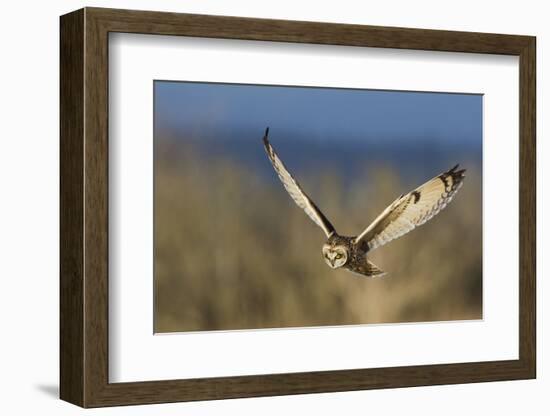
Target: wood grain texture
[72,215]
[527,208]
[96,219]
[162,23]
[84,207]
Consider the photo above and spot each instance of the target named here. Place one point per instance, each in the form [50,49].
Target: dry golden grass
[232,252]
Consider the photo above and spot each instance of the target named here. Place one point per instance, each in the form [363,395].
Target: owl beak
[332,261]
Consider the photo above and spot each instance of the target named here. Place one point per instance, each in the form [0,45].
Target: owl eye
[338,256]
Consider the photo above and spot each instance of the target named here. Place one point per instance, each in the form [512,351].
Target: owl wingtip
[458,173]
[265,136]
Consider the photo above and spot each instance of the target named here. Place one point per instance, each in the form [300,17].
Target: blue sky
[410,130]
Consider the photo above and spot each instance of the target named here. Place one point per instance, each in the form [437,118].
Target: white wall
[29,205]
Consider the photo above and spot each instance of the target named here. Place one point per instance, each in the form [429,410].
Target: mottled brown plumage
[401,216]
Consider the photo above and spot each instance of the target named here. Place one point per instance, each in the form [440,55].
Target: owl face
[335,256]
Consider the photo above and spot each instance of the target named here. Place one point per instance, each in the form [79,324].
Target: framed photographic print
[255,207]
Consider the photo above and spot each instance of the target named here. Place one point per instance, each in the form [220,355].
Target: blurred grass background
[233,251]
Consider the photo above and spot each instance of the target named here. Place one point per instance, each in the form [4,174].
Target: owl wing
[413,209]
[295,191]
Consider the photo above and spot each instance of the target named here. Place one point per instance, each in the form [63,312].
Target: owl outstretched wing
[413,209]
[295,191]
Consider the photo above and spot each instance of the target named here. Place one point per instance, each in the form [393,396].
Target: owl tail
[366,268]
[372,270]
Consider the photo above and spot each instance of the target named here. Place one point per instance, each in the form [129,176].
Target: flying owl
[401,216]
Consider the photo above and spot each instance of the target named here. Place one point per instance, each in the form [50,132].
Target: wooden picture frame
[84,207]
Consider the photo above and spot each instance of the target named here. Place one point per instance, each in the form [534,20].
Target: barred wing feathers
[413,209]
[295,191]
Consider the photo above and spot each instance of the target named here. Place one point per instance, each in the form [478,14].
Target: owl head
[335,256]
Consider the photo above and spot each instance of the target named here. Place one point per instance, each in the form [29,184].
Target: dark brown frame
[84,209]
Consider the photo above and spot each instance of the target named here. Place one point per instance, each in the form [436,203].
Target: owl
[401,216]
